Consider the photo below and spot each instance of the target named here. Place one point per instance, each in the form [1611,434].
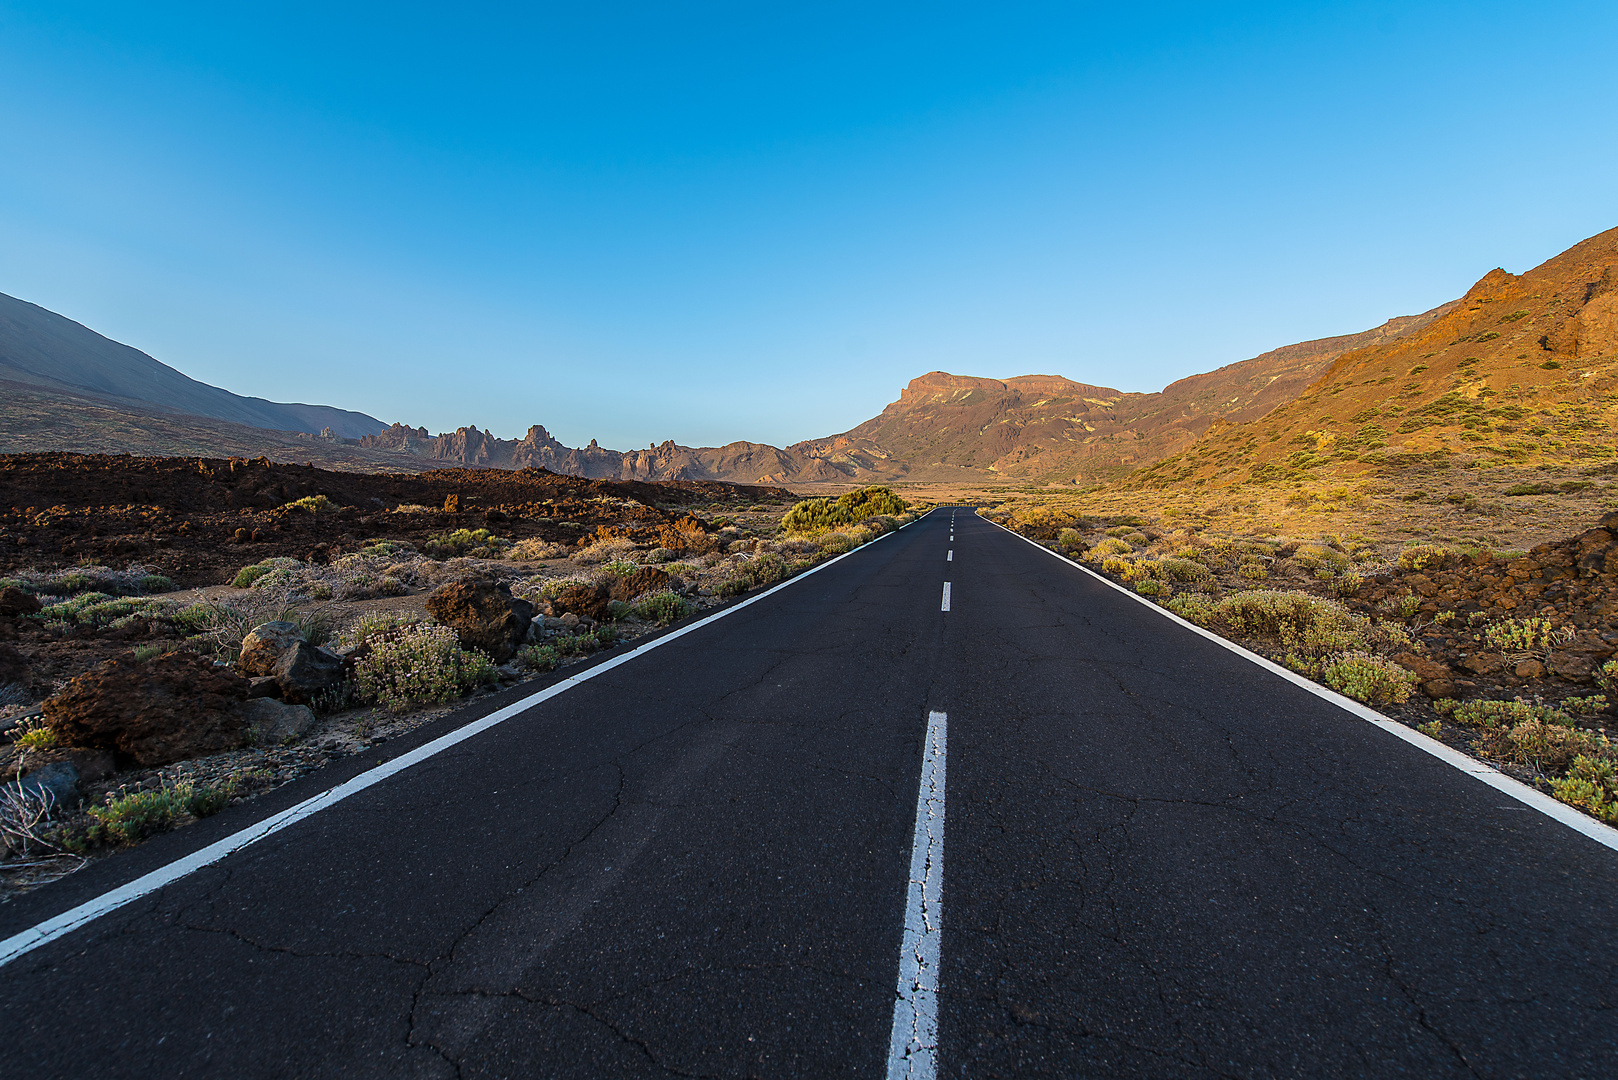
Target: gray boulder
[271,722]
[60,779]
[305,671]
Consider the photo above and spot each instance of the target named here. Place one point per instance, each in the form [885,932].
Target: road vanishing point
[946,806]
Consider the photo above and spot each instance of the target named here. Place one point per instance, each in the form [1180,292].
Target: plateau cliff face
[1045,427]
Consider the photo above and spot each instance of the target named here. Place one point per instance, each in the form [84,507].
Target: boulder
[264,646]
[263,686]
[587,600]
[272,723]
[13,665]
[176,706]
[484,615]
[13,602]
[305,671]
[646,579]
[59,780]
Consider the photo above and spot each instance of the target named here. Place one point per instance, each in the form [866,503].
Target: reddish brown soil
[198,520]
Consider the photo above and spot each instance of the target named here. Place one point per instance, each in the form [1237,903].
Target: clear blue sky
[717,221]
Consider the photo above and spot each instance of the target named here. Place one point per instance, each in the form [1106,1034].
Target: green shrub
[1108,548]
[818,515]
[1591,784]
[619,568]
[248,574]
[1532,636]
[1368,678]
[129,819]
[151,583]
[662,608]
[418,663]
[1150,587]
[1252,571]
[1174,568]
[538,657]
[471,543]
[1420,558]
[836,543]
[314,504]
[1607,677]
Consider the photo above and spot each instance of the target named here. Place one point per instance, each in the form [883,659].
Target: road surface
[1147,856]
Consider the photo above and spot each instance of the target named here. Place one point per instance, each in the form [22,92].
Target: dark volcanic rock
[13,602]
[265,645]
[588,600]
[484,615]
[306,671]
[642,581]
[173,707]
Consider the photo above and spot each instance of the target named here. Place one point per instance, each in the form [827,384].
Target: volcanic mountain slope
[1521,372]
[952,427]
[43,349]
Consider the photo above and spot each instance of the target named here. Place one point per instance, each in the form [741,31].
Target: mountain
[43,349]
[954,427]
[737,462]
[1522,370]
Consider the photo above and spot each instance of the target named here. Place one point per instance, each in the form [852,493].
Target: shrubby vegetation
[813,516]
[416,663]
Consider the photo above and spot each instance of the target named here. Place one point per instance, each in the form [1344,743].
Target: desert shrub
[538,657]
[1317,557]
[1533,636]
[1594,705]
[619,568]
[1151,587]
[130,818]
[662,608]
[1607,676]
[605,551]
[1252,571]
[836,543]
[660,555]
[1107,548]
[384,549]
[1311,629]
[467,543]
[1368,678]
[1420,558]
[1174,568]
[1190,607]
[534,548]
[314,504]
[1118,531]
[248,574]
[1069,537]
[1591,784]
[419,663]
[818,515]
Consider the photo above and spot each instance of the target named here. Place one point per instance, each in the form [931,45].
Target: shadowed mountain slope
[47,350]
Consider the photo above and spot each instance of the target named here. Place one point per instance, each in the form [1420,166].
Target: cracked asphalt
[1159,861]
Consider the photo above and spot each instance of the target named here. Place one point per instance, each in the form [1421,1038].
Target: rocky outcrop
[590,601]
[642,581]
[176,706]
[302,672]
[14,602]
[483,614]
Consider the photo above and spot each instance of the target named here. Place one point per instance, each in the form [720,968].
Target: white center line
[950,557]
[913,1049]
[946,597]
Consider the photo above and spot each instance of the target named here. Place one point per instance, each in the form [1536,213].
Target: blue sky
[718,221]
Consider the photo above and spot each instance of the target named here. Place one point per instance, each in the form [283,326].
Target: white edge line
[1582,823]
[25,941]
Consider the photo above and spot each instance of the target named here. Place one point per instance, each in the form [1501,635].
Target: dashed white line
[946,597]
[950,557]
[913,1048]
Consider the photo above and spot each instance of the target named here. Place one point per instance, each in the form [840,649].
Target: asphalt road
[1160,860]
